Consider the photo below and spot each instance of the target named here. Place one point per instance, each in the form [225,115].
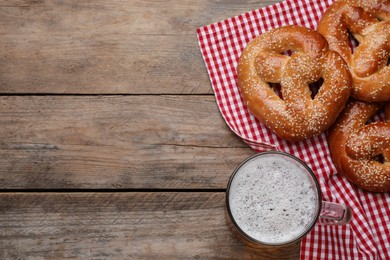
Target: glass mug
[274,199]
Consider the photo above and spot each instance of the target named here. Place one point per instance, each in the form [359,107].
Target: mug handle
[334,214]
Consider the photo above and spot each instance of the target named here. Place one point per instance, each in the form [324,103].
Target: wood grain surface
[111,142]
[107,46]
[115,142]
[121,226]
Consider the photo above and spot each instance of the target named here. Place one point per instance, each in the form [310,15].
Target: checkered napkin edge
[221,43]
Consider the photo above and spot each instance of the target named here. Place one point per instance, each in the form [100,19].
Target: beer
[273,199]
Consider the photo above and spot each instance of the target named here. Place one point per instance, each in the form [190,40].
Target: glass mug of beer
[274,199]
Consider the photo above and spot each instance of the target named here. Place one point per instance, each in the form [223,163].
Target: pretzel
[296,116]
[369,23]
[354,146]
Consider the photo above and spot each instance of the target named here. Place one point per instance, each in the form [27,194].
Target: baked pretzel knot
[360,151]
[369,23]
[295,116]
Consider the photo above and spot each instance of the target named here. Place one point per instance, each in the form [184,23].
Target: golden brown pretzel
[369,23]
[355,145]
[297,116]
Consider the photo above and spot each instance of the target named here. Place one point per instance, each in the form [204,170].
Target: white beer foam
[273,199]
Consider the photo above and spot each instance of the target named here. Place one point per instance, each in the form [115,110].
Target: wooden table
[112,145]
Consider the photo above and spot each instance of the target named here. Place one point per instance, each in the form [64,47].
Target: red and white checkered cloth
[368,234]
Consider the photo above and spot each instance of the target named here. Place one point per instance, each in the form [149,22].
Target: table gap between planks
[112,145]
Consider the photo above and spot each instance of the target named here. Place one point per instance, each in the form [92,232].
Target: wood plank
[107,47]
[122,226]
[51,142]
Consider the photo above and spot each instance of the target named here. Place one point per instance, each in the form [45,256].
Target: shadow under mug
[274,199]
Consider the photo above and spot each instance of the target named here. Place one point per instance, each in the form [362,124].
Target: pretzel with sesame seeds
[360,151]
[296,116]
[369,22]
